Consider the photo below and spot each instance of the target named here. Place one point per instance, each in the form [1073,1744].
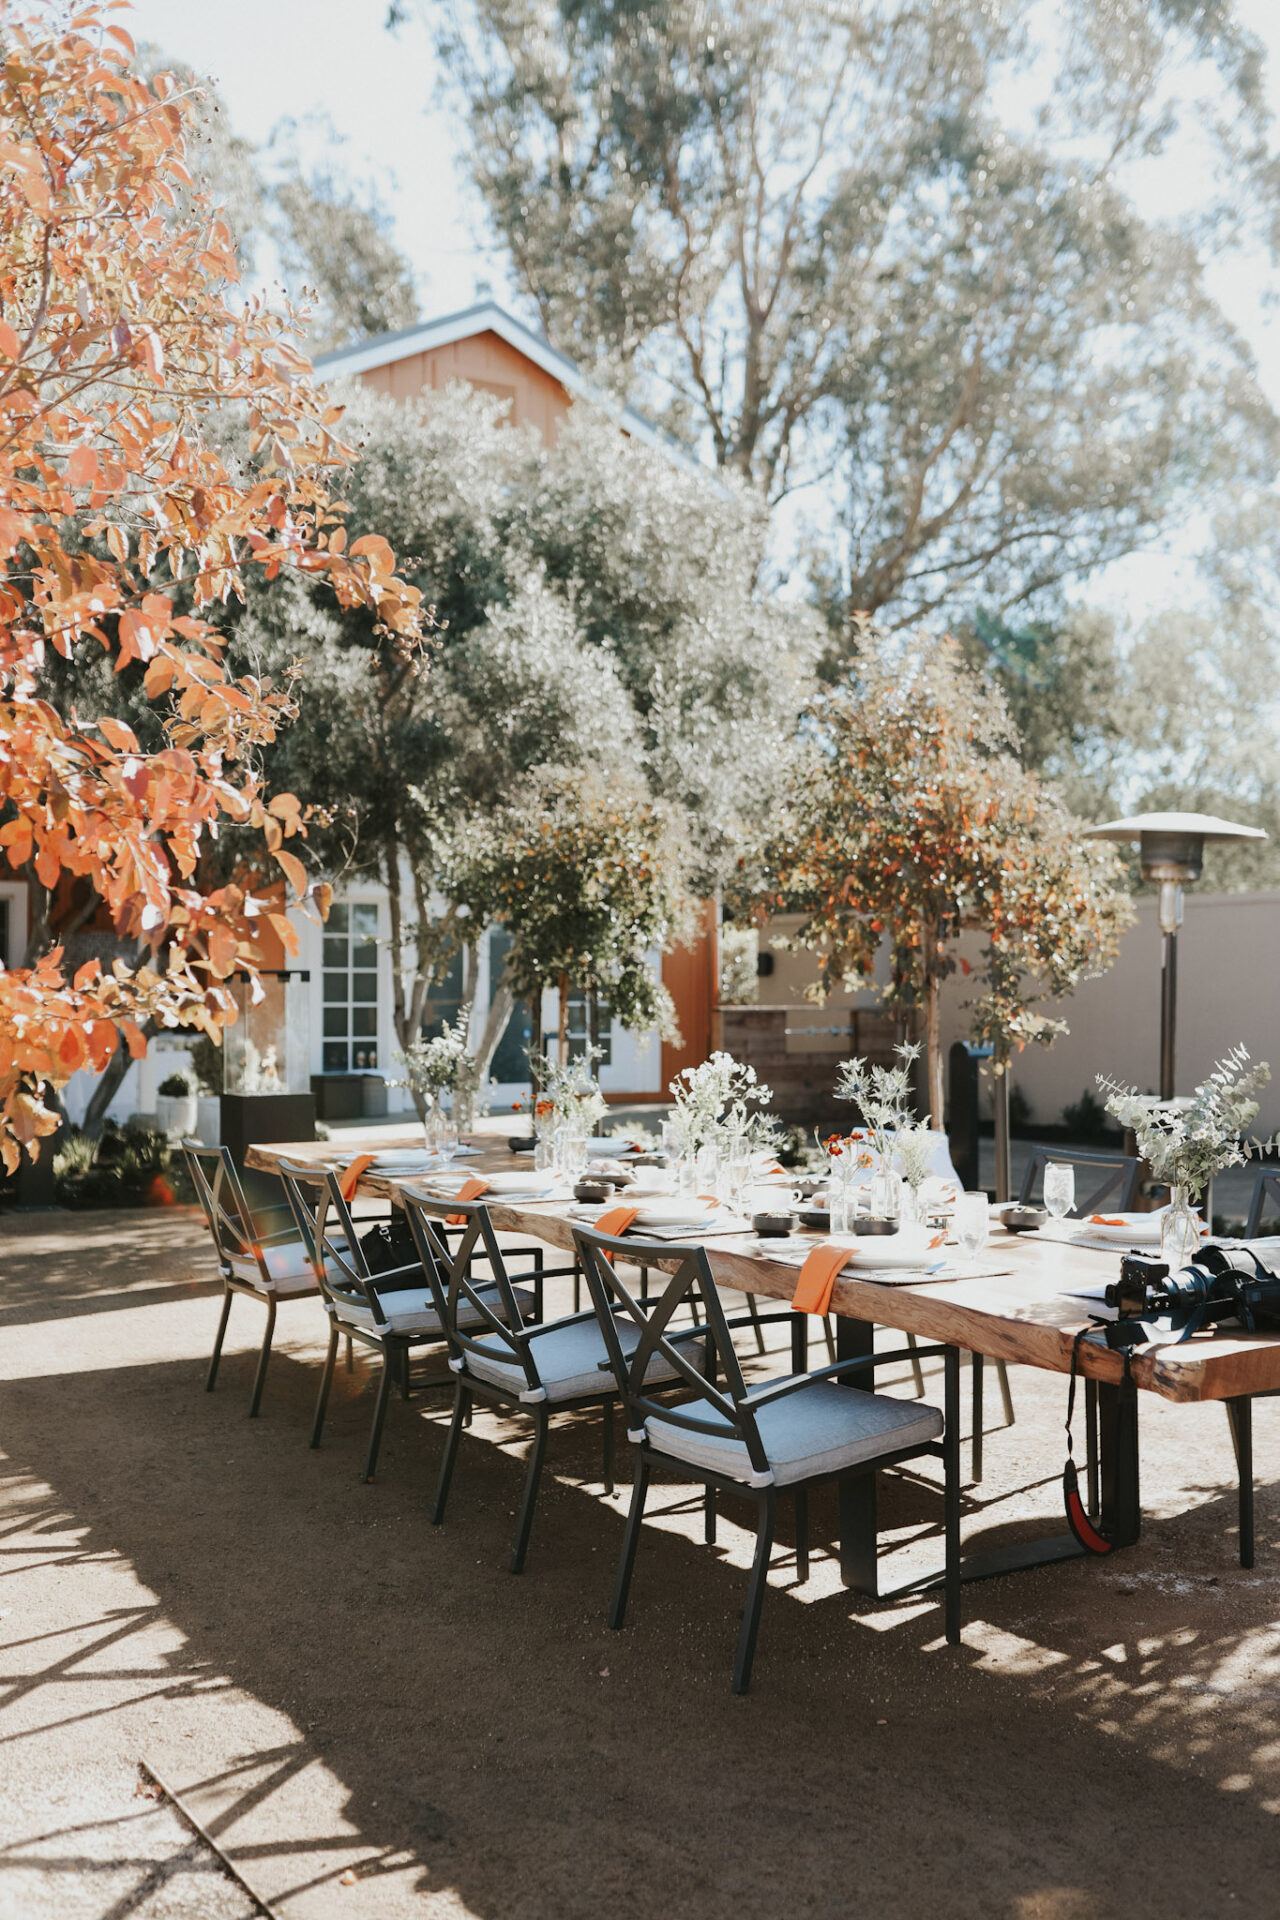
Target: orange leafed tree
[122,336]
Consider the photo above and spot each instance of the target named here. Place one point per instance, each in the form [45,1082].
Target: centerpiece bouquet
[570,1094]
[1186,1144]
[712,1101]
[442,1065]
[883,1095]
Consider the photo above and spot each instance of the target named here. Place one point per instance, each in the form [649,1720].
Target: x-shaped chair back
[1266,1186]
[690,1285]
[222,1201]
[1116,1172]
[456,1292]
[343,1274]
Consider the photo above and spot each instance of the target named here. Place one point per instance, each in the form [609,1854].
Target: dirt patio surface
[376,1721]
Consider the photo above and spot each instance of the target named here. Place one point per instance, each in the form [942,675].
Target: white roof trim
[384,349]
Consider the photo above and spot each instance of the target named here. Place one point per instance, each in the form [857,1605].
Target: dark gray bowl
[771,1226]
[865,1224]
[1023,1219]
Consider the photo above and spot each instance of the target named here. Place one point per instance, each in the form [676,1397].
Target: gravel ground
[375,1720]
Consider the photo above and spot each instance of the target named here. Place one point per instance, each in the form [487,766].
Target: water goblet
[1059,1189]
[970,1223]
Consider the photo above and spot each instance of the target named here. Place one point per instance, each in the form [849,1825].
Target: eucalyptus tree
[888,248]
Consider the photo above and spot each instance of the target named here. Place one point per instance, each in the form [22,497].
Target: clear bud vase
[1179,1230]
[886,1194]
[910,1213]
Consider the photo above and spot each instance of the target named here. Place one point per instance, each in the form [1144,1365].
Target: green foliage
[1188,1146]
[586,878]
[129,1166]
[892,243]
[174,1086]
[1086,1117]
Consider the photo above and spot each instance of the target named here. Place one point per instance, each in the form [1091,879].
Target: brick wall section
[800,1073]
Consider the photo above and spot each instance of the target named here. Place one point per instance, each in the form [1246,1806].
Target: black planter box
[254,1119]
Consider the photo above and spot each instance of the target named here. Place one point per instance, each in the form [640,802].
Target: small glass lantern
[268,1048]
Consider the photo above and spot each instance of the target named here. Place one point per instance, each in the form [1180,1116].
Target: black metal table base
[1018,1557]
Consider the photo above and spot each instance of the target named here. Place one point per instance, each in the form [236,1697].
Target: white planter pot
[209,1119]
[176,1114]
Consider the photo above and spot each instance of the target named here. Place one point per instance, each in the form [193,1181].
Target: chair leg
[326,1381]
[260,1378]
[406,1389]
[755,1592]
[709,1516]
[225,1315]
[379,1414]
[630,1541]
[917,1371]
[754,1312]
[606,1415]
[951,1470]
[351,1355]
[1006,1397]
[976,1442]
[802,1533]
[527,1505]
[830,1332]
[461,1405]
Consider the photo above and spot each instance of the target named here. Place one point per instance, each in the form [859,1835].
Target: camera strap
[1089,1536]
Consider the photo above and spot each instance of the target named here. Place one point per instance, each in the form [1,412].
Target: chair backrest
[490,1303]
[724,1412]
[1266,1187]
[217,1184]
[1112,1178]
[324,1222]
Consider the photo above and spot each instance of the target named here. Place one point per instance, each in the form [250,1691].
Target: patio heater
[1172,855]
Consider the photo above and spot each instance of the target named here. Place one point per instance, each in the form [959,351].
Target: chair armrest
[797,1380]
[387,1281]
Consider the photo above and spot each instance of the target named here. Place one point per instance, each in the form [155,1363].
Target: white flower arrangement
[572,1093]
[913,1150]
[712,1100]
[442,1064]
[884,1096]
[1187,1146]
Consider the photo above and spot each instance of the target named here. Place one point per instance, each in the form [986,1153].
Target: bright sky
[288,59]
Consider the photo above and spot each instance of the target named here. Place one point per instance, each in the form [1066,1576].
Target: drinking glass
[970,1223]
[444,1138]
[842,1204]
[1059,1189]
[673,1140]
[709,1168]
[739,1174]
[575,1152]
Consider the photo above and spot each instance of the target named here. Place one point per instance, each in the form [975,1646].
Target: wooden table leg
[858,1527]
[1240,1414]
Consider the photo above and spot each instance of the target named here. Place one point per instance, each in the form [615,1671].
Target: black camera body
[1221,1283]
[1140,1279]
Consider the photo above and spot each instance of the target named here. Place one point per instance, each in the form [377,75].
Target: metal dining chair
[1266,1188]
[499,1356]
[391,1313]
[1116,1176]
[260,1252]
[787,1434]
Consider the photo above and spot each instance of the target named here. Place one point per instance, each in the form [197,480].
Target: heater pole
[1168,1015]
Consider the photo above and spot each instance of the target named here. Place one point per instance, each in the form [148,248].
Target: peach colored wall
[488,362]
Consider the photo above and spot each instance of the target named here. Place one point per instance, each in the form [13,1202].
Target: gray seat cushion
[571,1361]
[820,1429]
[409,1310]
[288,1267]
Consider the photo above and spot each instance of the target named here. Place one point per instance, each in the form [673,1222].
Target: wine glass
[970,1223]
[1059,1189]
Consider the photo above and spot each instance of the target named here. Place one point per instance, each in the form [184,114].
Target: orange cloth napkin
[350,1179]
[471,1189]
[1105,1220]
[817,1277]
[616,1220]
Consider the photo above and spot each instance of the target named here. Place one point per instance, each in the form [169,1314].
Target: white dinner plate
[1122,1229]
[881,1251]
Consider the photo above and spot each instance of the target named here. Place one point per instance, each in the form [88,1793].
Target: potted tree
[176,1106]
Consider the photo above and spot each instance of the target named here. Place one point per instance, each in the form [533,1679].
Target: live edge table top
[1020,1314]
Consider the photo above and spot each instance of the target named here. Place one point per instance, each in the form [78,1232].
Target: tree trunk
[502,1004]
[401,1017]
[110,1082]
[535,1041]
[562,1046]
[933,1048]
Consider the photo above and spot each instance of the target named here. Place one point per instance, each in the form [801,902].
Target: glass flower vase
[886,1195]
[1179,1229]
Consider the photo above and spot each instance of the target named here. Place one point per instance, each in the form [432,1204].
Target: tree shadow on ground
[1071,1759]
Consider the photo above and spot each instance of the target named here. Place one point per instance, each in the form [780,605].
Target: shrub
[174,1086]
[129,1166]
[1086,1117]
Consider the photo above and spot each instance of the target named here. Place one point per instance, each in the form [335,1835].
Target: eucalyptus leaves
[1187,1146]
[884,1096]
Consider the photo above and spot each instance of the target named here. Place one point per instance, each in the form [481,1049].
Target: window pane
[365,955]
[337,921]
[335,1023]
[364,1022]
[335,950]
[364,922]
[335,1056]
[335,987]
[364,986]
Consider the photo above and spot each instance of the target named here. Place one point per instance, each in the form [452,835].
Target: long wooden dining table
[1019,1308]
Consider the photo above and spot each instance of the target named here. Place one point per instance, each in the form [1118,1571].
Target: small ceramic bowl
[865,1224]
[815,1219]
[521,1143]
[771,1226]
[594,1191]
[1023,1219]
